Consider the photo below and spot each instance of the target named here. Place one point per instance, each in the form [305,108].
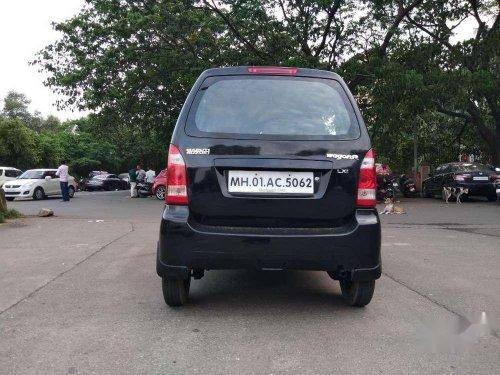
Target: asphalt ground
[79,295]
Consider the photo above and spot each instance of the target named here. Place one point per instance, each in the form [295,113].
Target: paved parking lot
[79,295]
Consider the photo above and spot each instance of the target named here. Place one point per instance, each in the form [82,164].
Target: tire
[425,193]
[357,293]
[492,198]
[38,194]
[160,193]
[10,199]
[175,292]
[71,191]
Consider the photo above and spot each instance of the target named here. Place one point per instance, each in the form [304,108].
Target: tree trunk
[3,201]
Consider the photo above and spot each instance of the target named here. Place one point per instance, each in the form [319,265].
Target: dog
[392,208]
[456,192]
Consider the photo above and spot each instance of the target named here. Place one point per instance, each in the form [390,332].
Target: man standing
[141,174]
[150,175]
[133,182]
[62,173]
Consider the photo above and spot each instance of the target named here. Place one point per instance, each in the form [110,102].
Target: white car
[8,173]
[37,184]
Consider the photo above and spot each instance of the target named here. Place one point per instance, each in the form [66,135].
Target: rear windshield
[272,107]
[471,167]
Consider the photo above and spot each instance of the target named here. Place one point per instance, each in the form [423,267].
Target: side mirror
[47,178]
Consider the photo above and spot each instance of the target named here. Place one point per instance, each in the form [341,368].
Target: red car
[159,185]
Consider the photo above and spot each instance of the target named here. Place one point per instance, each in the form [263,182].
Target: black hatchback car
[106,182]
[477,178]
[271,169]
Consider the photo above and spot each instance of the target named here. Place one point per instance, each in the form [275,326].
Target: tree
[18,144]
[16,107]
[133,62]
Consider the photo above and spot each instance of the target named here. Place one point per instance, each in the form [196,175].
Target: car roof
[42,169]
[17,169]
[243,70]
[456,163]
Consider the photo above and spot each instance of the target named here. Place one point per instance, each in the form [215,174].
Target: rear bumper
[484,189]
[352,250]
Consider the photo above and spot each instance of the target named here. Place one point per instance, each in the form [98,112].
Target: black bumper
[352,250]
[486,189]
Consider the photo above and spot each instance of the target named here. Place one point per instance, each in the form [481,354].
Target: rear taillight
[176,178]
[283,71]
[461,177]
[367,183]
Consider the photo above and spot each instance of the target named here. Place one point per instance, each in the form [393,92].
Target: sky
[25,28]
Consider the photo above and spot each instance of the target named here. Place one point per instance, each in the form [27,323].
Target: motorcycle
[387,187]
[407,186]
[144,189]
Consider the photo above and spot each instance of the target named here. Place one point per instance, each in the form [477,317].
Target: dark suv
[270,168]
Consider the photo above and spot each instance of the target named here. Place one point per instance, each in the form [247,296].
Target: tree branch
[331,14]
[434,36]
[445,111]
[235,30]
[402,12]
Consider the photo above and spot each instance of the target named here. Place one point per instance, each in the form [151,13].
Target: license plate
[267,182]
[484,178]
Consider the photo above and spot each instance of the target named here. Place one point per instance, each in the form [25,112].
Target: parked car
[159,185]
[477,178]
[8,174]
[96,173]
[106,182]
[270,168]
[125,177]
[37,184]
[497,188]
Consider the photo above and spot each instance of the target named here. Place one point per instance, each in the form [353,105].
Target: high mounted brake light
[176,178]
[281,71]
[367,183]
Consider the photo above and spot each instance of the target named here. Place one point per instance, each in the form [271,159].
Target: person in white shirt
[62,173]
[150,175]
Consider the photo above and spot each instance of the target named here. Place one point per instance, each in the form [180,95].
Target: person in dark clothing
[132,174]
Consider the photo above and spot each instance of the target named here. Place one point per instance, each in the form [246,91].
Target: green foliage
[18,144]
[77,141]
[9,214]
[133,62]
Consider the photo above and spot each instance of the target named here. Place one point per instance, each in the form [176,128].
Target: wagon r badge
[197,151]
[342,156]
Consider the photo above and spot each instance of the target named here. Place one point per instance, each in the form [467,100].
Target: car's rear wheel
[71,191]
[160,192]
[10,199]
[357,293]
[425,192]
[175,292]
[38,194]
